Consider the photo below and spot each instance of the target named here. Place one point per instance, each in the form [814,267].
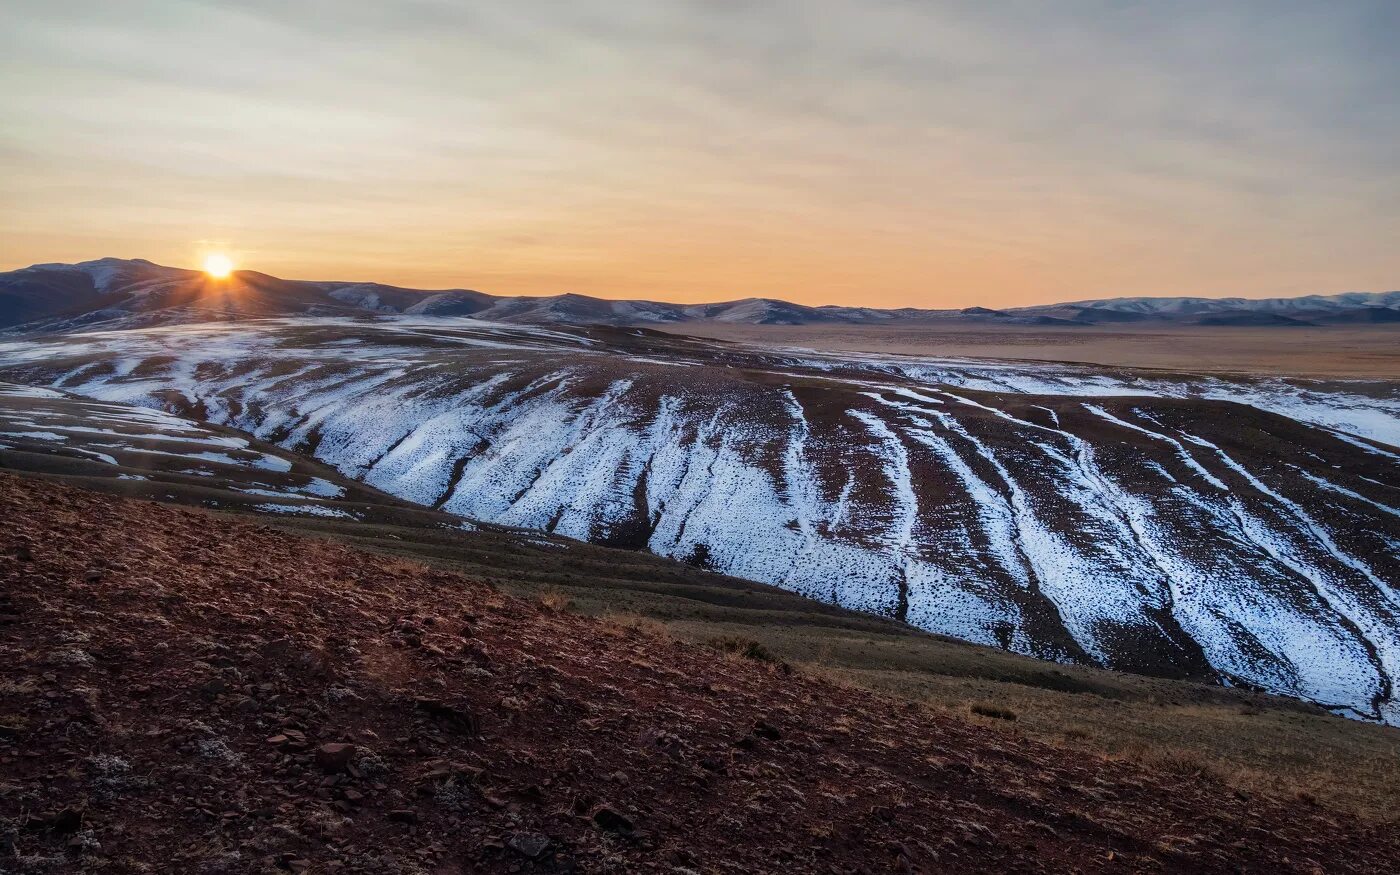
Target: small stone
[334,757]
[611,820]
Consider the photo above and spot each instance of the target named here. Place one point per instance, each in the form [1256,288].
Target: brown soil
[185,692]
[1359,353]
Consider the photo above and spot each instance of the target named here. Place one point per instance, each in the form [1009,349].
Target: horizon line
[783,300]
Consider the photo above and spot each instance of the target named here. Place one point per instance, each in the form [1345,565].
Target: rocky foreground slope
[186,692]
[1109,518]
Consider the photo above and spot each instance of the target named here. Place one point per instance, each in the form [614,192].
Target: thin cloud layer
[890,153]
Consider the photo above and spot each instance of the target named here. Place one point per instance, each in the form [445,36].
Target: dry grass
[746,648]
[628,622]
[1365,352]
[1256,743]
[1259,749]
[556,600]
[994,711]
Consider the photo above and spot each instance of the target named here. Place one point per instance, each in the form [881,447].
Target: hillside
[1259,742]
[152,454]
[114,292]
[1109,518]
[291,704]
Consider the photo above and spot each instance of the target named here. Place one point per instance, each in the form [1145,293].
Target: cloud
[913,153]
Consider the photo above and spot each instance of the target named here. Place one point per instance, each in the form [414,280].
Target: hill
[114,292]
[1253,741]
[1116,519]
[1123,521]
[295,705]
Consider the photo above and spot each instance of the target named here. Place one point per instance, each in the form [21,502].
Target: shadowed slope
[216,695]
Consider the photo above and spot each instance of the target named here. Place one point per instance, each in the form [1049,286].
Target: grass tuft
[745,647]
[993,711]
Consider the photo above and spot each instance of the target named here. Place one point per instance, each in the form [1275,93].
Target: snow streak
[1121,532]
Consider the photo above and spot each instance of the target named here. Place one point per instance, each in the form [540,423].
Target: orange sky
[881,153]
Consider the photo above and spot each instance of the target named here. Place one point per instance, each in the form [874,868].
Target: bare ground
[1344,352]
[187,692]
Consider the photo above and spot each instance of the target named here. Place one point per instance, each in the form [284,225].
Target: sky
[870,152]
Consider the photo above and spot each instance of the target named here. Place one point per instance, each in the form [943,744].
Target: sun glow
[218,265]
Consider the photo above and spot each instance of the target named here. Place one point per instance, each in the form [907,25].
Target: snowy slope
[1074,515]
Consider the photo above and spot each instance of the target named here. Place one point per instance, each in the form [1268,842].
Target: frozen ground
[1241,530]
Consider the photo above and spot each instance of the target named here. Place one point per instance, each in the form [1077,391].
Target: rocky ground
[184,692]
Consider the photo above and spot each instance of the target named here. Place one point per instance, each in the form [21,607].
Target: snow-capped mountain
[113,292]
[1139,520]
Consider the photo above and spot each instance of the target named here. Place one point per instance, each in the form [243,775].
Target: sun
[218,265]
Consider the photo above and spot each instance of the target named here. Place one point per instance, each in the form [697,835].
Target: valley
[1328,353]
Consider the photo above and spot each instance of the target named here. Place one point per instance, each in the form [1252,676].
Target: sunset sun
[218,265]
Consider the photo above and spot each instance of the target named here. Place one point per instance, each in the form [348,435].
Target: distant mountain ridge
[114,292]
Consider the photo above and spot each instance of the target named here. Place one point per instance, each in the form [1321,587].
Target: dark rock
[65,821]
[334,757]
[611,820]
[457,719]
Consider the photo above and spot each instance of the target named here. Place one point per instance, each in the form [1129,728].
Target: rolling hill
[1138,521]
[113,292]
